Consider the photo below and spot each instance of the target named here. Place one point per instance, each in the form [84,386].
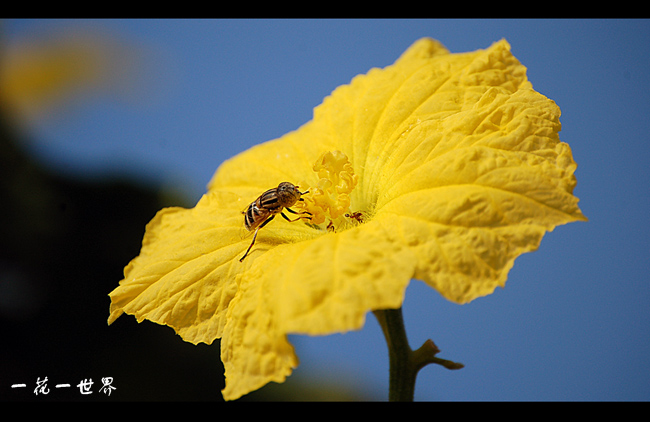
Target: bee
[269,204]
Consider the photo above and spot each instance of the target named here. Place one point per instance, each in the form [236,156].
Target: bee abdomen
[253,216]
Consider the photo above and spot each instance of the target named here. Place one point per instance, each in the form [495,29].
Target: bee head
[288,194]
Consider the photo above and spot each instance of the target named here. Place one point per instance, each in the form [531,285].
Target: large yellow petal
[185,275]
[472,185]
[329,284]
[315,287]
[254,350]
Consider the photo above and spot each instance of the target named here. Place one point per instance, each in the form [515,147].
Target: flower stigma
[329,200]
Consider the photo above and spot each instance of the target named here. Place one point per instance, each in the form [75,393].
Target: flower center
[329,200]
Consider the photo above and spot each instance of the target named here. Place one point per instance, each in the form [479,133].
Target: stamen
[329,199]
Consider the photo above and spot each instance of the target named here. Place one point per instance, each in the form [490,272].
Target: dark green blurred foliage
[65,243]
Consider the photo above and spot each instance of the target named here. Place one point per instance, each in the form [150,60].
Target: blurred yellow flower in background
[46,73]
[441,167]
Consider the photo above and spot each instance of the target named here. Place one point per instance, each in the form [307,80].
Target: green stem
[403,361]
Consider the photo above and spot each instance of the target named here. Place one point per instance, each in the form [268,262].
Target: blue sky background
[573,322]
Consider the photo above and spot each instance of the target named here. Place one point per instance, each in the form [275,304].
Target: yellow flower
[442,167]
[42,75]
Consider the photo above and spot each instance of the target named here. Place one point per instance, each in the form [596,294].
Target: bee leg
[255,236]
[295,212]
[250,246]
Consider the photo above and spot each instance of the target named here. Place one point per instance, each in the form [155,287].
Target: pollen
[329,198]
